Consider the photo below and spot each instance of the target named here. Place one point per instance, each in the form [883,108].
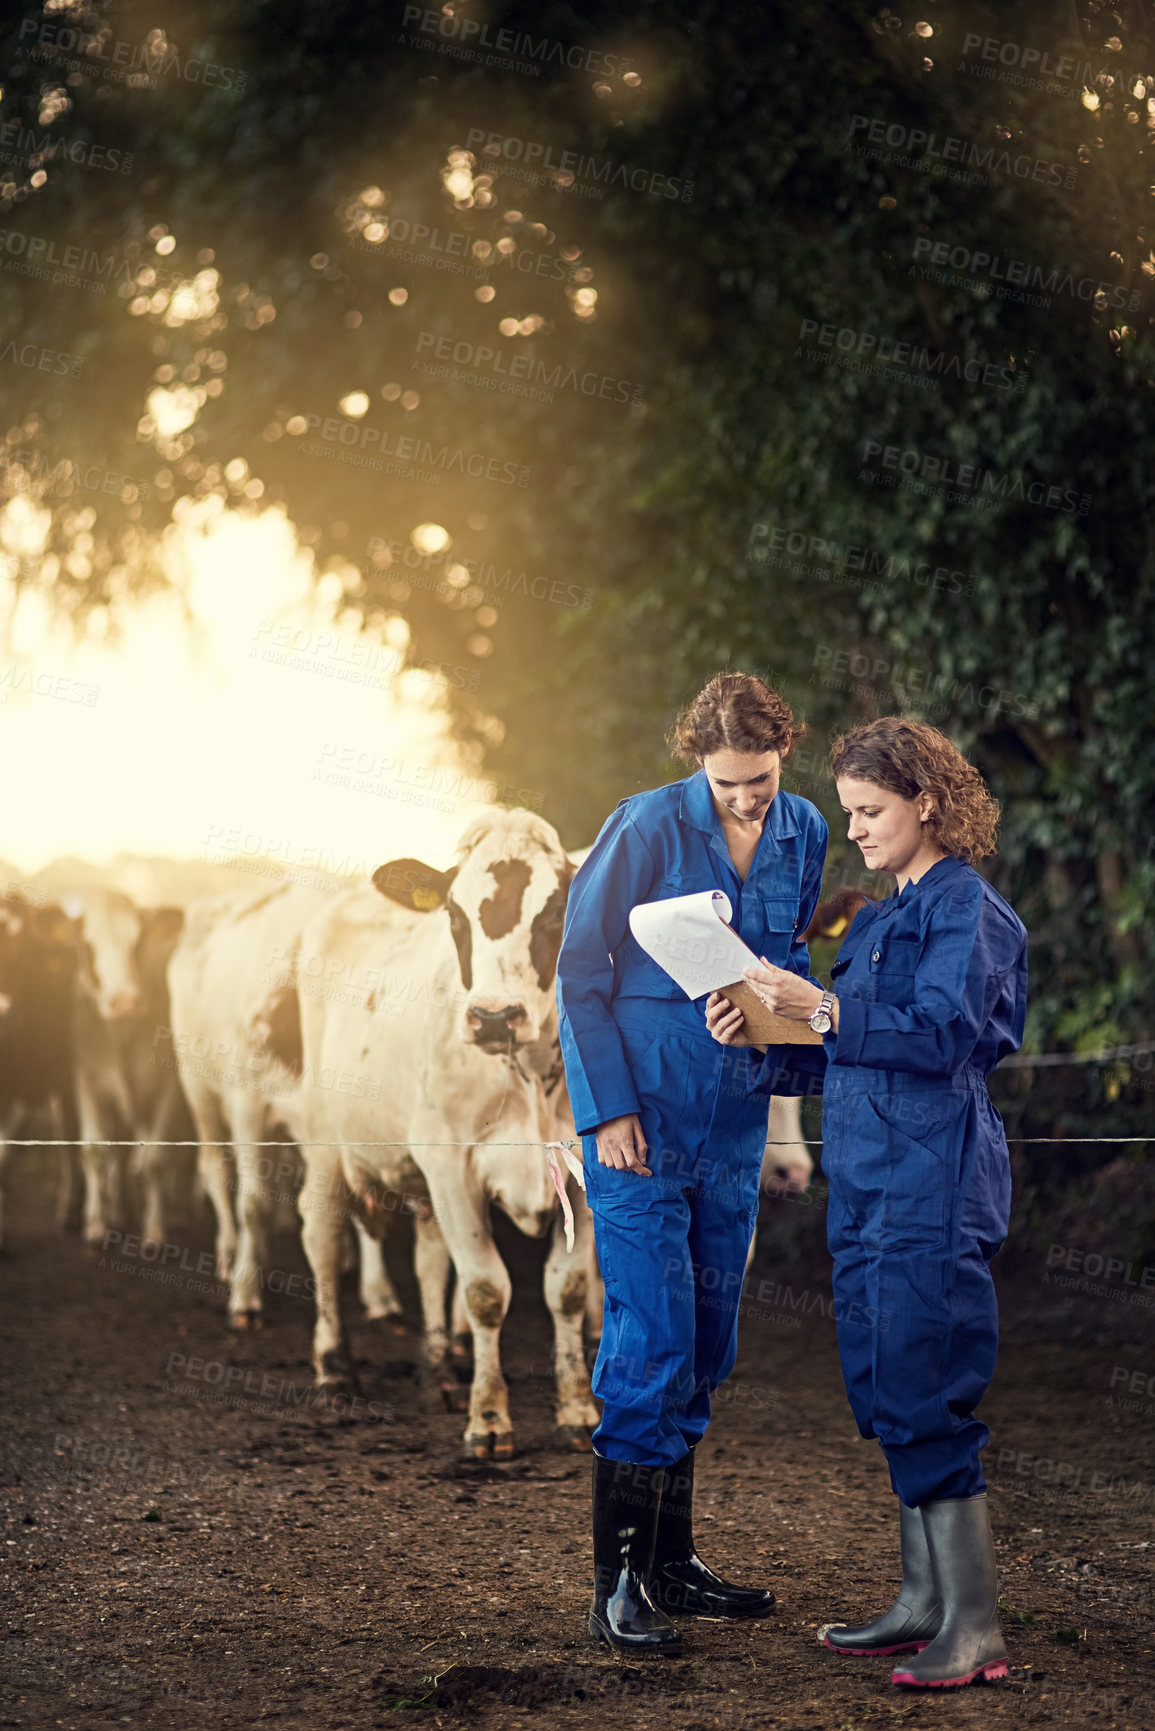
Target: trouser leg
[935,1359]
[917,1340]
[641,1228]
[855,1288]
[723,1213]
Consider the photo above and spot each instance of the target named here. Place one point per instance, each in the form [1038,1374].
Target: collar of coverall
[697,808]
[934,874]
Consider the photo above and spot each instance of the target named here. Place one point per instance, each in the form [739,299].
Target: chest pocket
[895,954]
[770,927]
[891,961]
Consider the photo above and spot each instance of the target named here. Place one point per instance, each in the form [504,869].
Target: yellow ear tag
[426,900]
[836,930]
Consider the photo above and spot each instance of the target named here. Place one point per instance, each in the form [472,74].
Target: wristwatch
[820,1021]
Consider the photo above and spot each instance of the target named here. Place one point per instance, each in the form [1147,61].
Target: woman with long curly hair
[672,1140]
[929,994]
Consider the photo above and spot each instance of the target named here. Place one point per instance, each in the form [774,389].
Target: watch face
[820,1022]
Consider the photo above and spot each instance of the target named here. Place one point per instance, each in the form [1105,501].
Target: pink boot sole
[875,1652]
[984,1673]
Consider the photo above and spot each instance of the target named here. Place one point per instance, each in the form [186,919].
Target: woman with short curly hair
[929,994]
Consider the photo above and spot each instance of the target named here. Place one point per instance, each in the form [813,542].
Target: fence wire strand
[573,1142]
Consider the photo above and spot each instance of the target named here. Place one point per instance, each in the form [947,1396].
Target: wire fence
[573,1142]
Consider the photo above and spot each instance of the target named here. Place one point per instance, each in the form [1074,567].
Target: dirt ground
[189,1542]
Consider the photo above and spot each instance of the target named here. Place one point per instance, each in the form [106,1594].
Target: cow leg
[5,1133]
[323,1206]
[66,1190]
[101,1167]
[566,1288]
[461,1214]
[8,1129]
[787,1166]
[68,1172]
[287,1172]
[213,1172]
[786,1161]
[376,1288]
[461,1345]
[154,1164]
[431,1264]
[254,1215]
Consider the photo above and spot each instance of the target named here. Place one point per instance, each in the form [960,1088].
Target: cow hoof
[336,1376]
[387,1321]
[575,1438]
[489,1446]
[335,1390]
[246,1319]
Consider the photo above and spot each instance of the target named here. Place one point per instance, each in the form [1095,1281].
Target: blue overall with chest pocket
[672,1248]
[931,987]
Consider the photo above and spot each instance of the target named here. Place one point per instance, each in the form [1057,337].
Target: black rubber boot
[914,1619]
[626,1498]
[681,1582]
[969,1646]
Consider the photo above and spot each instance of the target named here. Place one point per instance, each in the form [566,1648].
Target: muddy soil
[190,1542]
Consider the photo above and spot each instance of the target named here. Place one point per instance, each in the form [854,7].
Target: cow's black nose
[495,1027]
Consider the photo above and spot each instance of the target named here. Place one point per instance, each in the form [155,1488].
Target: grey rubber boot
[623,1615]
[914,1619]
[969,1646]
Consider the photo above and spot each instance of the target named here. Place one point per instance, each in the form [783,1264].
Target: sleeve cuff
[787,1070]
[851,1036]
[615,1107]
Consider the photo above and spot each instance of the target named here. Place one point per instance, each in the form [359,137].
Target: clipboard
[763,1025]
[692,940]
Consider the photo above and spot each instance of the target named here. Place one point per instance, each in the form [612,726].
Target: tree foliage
[862,399]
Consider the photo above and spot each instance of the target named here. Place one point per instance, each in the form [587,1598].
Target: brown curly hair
[909,758]
[734,712]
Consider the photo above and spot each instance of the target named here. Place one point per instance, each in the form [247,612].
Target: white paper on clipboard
[690,938]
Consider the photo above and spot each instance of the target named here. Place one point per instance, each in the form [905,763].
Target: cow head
[126,952]
[38,957]
[505,904]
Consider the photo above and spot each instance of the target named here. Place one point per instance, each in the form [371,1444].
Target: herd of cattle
[392,1048]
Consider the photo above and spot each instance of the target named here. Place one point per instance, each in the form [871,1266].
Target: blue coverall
[672,1248]
[931,986]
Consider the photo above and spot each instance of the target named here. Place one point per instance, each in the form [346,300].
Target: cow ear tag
[426,900]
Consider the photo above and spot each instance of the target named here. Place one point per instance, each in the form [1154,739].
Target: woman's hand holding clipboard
[691,939]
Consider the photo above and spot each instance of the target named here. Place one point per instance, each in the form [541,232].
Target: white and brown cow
[446,1030]
[123,1092]
[235,982]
